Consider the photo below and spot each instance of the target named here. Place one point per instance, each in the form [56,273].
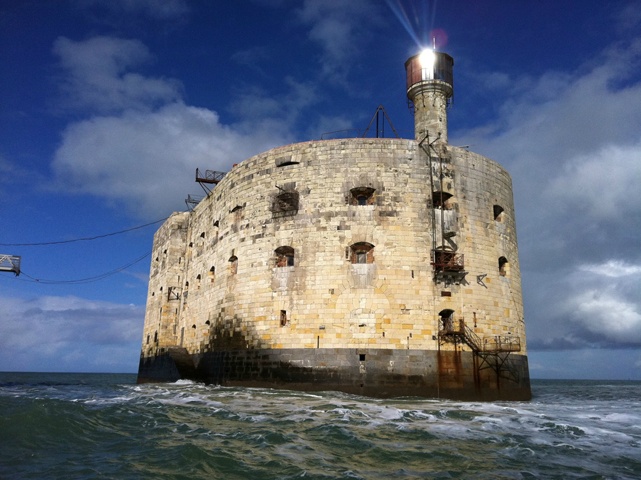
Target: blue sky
[109,106]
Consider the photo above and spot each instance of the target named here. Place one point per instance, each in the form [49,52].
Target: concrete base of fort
[457,375]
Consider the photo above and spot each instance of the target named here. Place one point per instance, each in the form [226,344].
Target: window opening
[233,264]
[283,318]
[212,274]
[447,320]
[362,252]
[284,256]
[497,210]
[362,196]
[441,199]
[503,266]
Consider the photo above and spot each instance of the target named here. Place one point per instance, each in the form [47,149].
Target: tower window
[284,256]
[441,199]
[233,264]
[283,318]
[362,196]
[362,252]
[446,320]
[212,274]
[503,266]
[497,210]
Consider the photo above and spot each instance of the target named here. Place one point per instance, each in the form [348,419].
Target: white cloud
[603,184]
[38,334]
[333,27]
[606,314]
[612,268]
[141,155]
[146,160]
[572,144]
[97,75]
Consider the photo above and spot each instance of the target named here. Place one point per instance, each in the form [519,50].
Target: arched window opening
[362,196]
[503,266]
[497,210]
[283,318]
[233,265]
[284,256]
[362,252]
[441,199]
[202,235]
[212,274]
[446,320]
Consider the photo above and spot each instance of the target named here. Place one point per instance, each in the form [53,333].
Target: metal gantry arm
[10,263]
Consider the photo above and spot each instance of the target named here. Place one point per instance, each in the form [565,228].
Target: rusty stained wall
[328,302]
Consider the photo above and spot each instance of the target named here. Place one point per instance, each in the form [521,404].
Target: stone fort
[373,266]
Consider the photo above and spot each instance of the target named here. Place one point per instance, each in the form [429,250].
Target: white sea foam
[268,433]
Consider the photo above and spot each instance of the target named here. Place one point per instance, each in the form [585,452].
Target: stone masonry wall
[217,280]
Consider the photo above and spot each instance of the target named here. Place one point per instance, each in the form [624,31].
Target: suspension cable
[84,280]
[82,239]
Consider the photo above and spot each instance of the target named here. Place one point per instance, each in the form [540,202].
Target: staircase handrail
[471,338]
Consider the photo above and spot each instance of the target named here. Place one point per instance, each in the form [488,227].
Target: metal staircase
[491,352]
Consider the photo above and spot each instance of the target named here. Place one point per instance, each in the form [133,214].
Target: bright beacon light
[427,59]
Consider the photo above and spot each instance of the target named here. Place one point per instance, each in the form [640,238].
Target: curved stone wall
[329,245]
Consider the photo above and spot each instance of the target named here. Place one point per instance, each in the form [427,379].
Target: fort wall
[329,245]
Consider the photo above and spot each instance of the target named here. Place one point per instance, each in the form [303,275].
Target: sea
[85,426]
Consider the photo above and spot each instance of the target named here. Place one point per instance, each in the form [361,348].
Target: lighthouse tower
[430,88]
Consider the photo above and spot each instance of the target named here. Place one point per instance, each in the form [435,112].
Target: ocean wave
[185,429]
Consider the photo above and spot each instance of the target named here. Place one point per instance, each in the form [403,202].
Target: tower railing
[459,331]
